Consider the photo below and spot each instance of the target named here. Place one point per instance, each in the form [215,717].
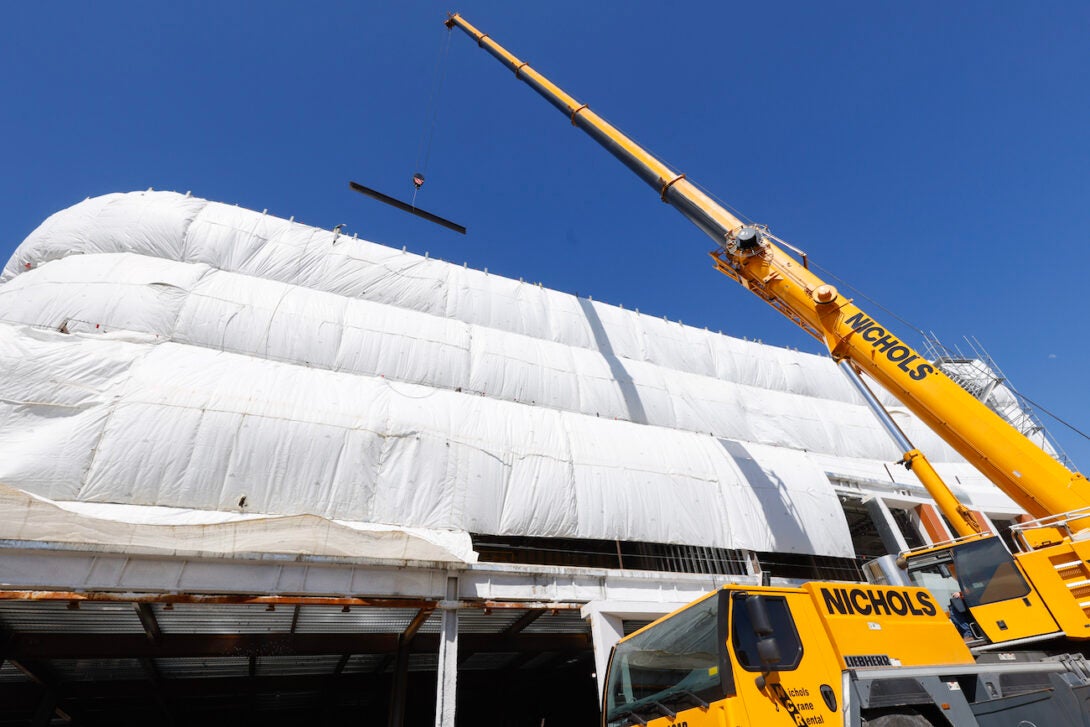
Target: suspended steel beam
[406,207]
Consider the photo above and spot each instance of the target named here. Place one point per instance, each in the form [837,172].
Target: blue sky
[935,155]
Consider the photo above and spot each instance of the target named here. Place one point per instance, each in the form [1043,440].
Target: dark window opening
[910,531]
[811,567]
[866,540]
[1004,525]
[589,553]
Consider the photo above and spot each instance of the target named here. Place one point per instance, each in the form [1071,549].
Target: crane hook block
[418,180]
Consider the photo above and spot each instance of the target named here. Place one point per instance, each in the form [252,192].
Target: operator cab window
[987,573]
[783,629]
[677,664]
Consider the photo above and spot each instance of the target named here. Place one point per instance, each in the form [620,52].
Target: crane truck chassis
[829,654]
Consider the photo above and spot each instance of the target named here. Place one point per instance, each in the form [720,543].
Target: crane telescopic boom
[1037,482]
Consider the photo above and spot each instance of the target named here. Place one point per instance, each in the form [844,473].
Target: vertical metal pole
[447,673]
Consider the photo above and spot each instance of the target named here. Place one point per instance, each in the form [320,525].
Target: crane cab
[736,656]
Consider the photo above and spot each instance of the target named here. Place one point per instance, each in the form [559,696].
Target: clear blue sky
[934,154]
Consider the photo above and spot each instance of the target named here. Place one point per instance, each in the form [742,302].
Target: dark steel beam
[119,646]
[399,686]
[421,617]
[49,701]
[523,621]
[147,619]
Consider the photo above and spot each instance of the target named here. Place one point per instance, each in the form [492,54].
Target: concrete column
[447,672]
[607,626]
[932,522]
[606,629]
[985,522]
[891,535]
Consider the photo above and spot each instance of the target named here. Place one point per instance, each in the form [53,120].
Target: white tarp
[166,351]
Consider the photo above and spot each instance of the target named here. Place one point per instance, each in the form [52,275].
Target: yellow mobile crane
[1042,591]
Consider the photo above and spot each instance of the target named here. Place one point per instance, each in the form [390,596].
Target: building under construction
[254,470]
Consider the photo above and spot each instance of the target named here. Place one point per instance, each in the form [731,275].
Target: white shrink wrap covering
[168,354]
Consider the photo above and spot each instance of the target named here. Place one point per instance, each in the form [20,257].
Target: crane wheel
[907,718]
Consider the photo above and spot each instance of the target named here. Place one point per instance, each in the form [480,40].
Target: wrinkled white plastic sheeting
[91,419]
[604,361]
[195,304]
[26,517]
[362,383]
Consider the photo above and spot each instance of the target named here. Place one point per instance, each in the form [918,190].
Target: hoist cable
[423,151]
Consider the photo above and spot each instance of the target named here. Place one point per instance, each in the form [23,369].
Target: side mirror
[768,651]
[758,616]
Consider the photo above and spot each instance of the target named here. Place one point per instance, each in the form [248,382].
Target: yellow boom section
[1028,475]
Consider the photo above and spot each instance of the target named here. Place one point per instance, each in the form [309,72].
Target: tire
[896,719]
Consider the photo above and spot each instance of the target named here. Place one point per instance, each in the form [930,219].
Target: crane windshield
[673,665]
[981,571]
